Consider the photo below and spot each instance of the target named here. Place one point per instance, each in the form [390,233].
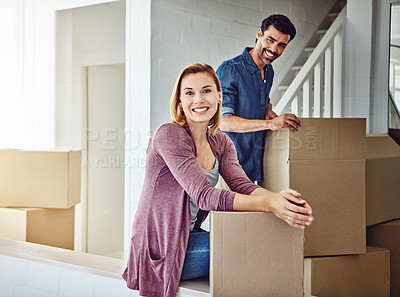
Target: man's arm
[237,124]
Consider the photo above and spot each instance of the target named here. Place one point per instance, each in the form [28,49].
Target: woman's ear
[219,97]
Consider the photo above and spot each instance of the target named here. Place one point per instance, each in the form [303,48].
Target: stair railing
[317,88]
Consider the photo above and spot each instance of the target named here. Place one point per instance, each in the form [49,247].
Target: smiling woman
[184,161]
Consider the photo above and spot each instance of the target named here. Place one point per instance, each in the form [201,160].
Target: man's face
[270,44]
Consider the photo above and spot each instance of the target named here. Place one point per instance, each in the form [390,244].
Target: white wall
[185,32]
[137,105]
[86,36]
[16,93]
[357,66]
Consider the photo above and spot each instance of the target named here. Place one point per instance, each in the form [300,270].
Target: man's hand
[276,122]
[269,114]
[286,120]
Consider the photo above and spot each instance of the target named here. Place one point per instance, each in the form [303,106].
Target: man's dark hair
[281,23]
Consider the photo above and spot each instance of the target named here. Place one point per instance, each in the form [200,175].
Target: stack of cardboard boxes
[383,201]
[325,160]
[38,192]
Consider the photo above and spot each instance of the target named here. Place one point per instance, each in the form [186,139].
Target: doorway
[105,159]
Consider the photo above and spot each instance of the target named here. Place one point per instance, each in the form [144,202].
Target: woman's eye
[207,91]
[189,93]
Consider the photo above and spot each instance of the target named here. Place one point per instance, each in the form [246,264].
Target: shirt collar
[251,65]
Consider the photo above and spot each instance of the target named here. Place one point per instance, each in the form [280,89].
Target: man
[246,82]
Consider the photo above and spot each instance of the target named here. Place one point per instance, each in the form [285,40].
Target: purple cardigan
[162,222]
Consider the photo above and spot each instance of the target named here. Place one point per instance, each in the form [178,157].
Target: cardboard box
[53,227]
[383,177]
[255,254]
[48,179]
[387,236]
[364,275]
[325,161]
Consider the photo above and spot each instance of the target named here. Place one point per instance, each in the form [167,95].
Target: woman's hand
[288,206]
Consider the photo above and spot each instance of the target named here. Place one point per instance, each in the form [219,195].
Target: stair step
[283,88]
[309,50]
[333,15]
[296,68]
[321,33]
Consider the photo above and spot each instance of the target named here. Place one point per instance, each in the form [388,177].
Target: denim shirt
[246,94]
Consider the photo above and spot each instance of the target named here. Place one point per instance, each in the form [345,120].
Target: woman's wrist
[250,203]
[267,206]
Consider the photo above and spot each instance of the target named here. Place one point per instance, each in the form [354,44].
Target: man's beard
[263,58]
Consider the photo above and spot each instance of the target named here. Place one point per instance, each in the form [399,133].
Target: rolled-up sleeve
[226,74]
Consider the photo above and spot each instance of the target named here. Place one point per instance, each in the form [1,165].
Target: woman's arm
[286,205]
[174,147]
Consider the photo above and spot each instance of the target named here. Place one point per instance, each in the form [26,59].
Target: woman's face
[199,97]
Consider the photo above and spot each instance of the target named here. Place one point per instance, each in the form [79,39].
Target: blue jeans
[197,258]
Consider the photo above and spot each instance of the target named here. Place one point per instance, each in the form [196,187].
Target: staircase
[316,90]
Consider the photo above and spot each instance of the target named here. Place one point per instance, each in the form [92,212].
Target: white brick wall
[30,278]
[211,31]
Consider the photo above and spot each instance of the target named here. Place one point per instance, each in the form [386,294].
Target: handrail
[303,77]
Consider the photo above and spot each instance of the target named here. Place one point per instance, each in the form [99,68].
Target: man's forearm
[240,125]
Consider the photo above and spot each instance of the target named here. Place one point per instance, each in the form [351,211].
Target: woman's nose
[198,98]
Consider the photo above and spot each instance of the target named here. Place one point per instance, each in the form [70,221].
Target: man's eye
[270,40]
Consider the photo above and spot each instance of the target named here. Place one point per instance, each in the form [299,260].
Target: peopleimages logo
[109,148]
[114,138]
[311,138]
[305,140]
[111,161]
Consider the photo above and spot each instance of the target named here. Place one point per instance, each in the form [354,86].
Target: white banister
[295,105]
[328,83]
[337,74]
[323,72]
[306,98]
[317,89]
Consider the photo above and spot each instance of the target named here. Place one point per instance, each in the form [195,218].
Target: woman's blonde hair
[177,113]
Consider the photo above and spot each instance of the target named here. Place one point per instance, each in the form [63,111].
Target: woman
[183,161]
